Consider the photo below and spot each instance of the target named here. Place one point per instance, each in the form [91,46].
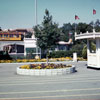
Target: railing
[87,35]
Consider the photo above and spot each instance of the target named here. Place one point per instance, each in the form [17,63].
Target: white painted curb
[48,72]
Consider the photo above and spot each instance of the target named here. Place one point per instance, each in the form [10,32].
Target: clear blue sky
[20,13]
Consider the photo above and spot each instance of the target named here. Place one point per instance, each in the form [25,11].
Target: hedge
[58,54]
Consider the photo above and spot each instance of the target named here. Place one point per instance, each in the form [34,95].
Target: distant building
[13,35]
[15,43]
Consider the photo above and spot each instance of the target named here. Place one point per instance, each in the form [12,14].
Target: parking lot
[83,84]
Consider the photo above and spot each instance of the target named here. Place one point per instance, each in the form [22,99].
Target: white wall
[29,42]
[94,58]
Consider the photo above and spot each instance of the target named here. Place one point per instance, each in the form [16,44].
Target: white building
[30,46]
[9,41]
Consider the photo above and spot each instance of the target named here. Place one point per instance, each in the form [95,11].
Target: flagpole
[94,12]
[75,27]
[75,23]
[93,20]
[76,18]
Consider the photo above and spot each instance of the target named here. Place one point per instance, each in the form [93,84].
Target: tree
[84,52]
[0,29]
[47,34]
[81,27]
[28,35]
[66,30]
[97,25]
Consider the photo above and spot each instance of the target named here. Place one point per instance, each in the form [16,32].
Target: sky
[21,13]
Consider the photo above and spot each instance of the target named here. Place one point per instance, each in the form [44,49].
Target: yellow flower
[39,67]
[18,60]
[2,61]
[31,60]
[24,60]
[25,67]
[8,61]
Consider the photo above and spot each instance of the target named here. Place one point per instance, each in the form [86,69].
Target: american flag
[94,11]
[76,17]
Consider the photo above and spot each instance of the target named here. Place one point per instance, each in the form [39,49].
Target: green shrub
[84,52]
[58,54]
[4,56]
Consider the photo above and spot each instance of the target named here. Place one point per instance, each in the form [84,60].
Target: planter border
[46,72]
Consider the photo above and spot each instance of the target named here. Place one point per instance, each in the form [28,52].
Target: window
[11,35]
[92,46]
[0,35]
[17,35]
[32,50]
[5,35]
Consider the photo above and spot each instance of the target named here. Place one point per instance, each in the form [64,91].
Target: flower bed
[41,60]
[43,69]
[36,60]
[44,66]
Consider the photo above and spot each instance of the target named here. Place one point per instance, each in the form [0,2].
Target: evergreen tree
[47,34]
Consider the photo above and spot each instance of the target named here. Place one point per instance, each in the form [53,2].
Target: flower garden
[45,69]
[44,66]
[40,60]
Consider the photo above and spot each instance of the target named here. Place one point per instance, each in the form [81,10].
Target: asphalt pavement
[81,85]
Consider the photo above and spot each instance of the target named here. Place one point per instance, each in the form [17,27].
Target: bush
[4,56]
[59,54]
[84,52]
[78,49]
